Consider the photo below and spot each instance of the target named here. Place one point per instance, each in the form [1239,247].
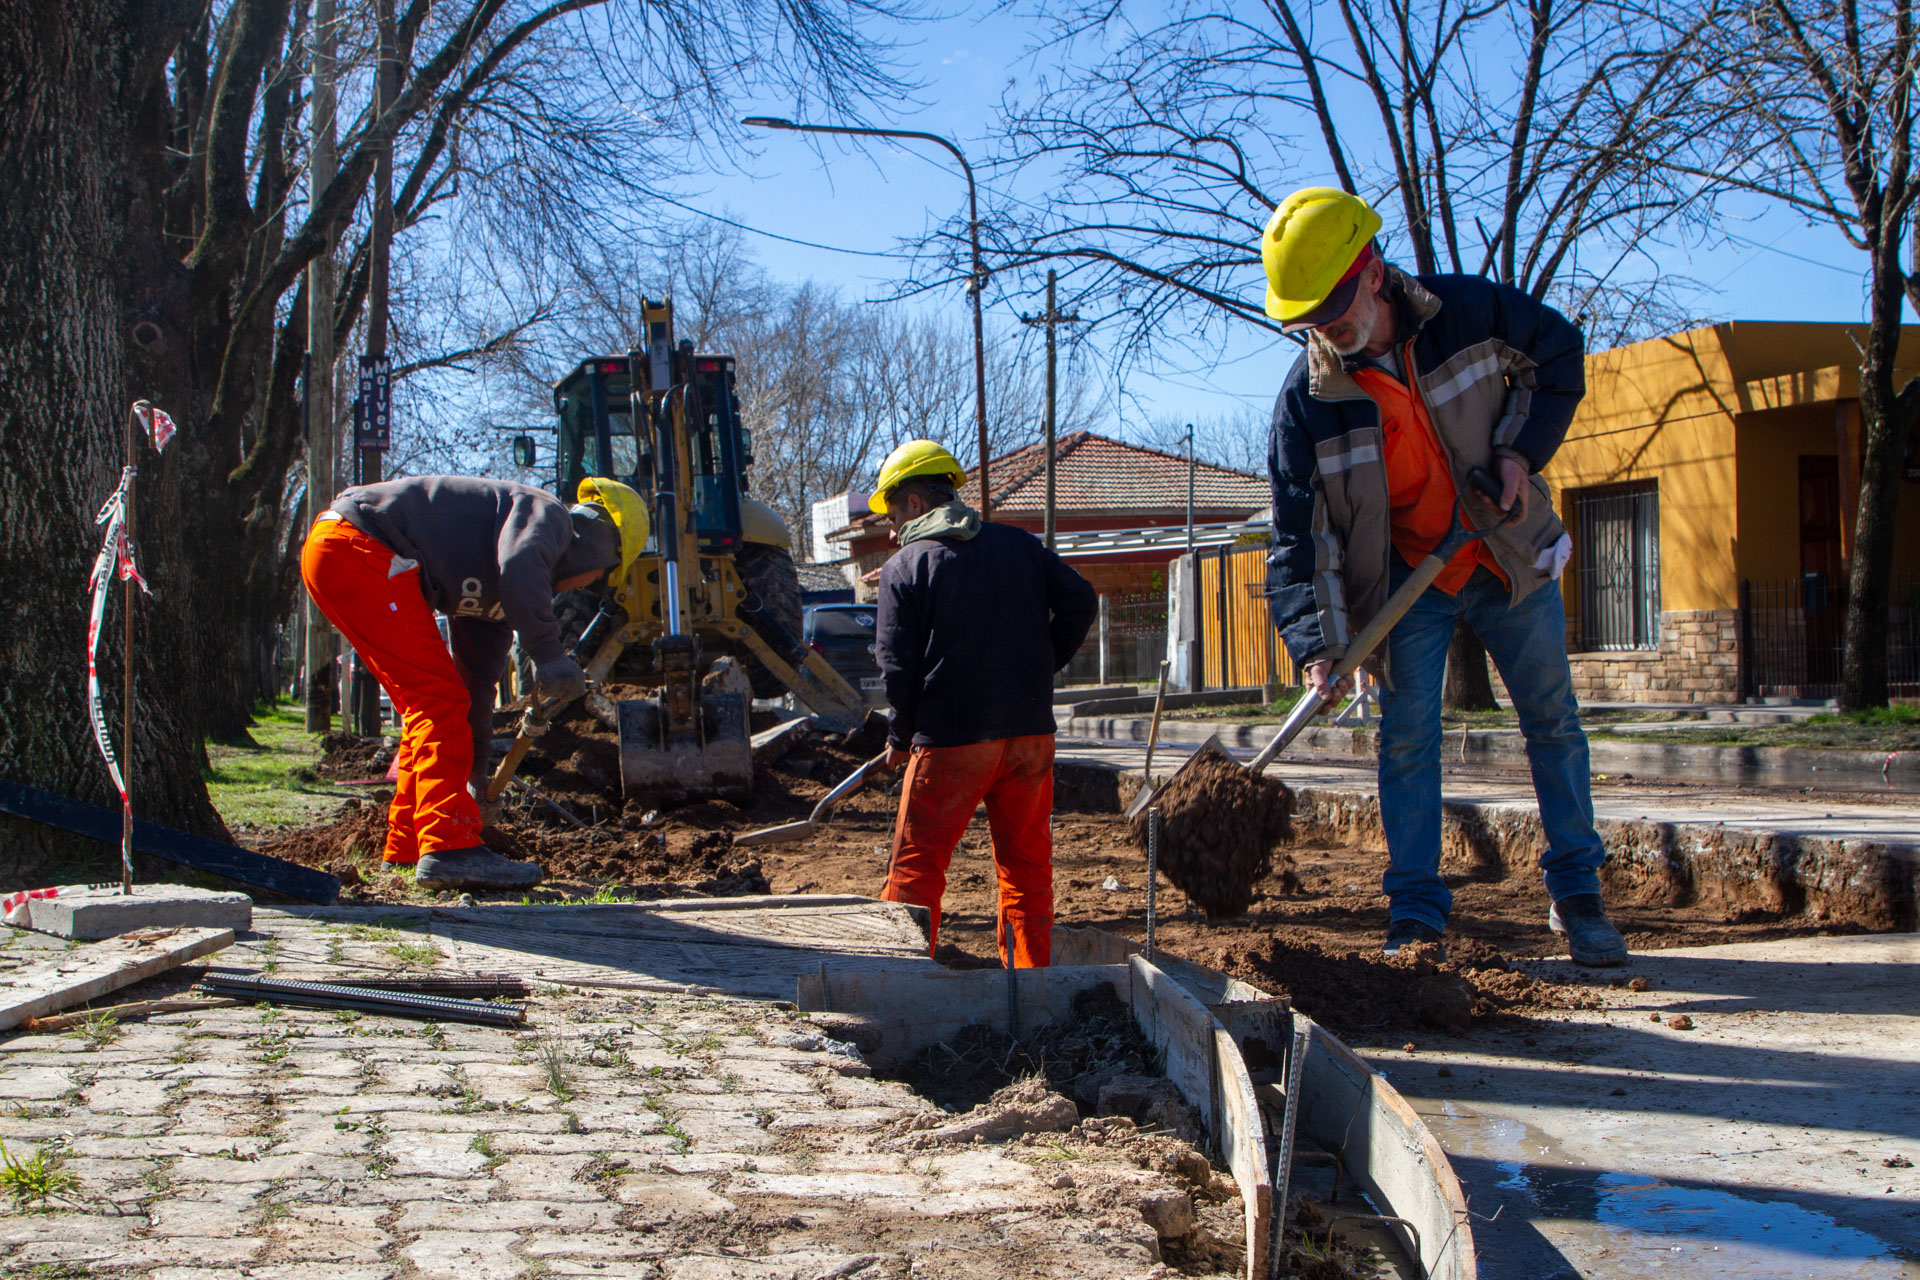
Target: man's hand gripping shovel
[604,637]
[1313,701]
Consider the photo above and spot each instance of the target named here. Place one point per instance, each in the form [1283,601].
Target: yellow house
[1709,481]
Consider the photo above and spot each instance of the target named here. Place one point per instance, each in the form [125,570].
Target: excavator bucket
[708,756]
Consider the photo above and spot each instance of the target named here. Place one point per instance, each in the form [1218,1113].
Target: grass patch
[34,1180]
[269,781]
[99,1030]
[422,953]
[1874,729]
[550,1055]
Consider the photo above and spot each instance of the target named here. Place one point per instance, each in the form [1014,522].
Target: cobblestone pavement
[621,1133]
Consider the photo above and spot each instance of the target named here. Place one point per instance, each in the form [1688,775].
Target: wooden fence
[1238,645]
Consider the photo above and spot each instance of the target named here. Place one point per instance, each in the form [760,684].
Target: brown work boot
[475,868]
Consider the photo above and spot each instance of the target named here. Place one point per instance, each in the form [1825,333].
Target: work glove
[561,680]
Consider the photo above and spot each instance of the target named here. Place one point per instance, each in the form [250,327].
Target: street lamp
[976,284]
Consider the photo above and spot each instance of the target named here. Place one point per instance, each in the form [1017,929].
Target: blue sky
[871,194]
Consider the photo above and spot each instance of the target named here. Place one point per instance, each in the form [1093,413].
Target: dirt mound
[576,823]
[350,756]
[343,846]
[1219,824]
[1356,991]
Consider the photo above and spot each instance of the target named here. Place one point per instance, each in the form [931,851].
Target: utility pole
[373,416]
[1052,319]
[322,450]
[1193,561]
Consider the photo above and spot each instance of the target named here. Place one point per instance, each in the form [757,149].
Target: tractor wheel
[773,589]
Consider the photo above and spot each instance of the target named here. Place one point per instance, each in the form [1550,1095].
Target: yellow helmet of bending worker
[629,512]
[1312,247]
[912,459]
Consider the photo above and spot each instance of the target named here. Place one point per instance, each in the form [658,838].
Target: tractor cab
[597,438]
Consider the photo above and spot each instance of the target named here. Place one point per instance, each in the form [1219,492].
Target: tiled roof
[1097,474]
[823,577]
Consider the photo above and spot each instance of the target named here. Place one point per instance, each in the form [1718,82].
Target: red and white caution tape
[116,561]
[159,426]
[13,907]
[115,555]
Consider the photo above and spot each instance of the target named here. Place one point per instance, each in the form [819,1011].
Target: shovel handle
[1153,734]
[539,715]
[1362,646]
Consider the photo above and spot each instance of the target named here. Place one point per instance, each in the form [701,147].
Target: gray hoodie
[486,548]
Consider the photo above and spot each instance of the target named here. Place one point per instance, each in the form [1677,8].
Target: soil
[1073,1058]
[1311,929]
[347,756]
[1219,825]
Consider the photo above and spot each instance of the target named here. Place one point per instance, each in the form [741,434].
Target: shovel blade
[777,835]
[1150,790]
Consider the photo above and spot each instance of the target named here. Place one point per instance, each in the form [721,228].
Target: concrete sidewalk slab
[1823,769]
[91,912]
[1770,1139]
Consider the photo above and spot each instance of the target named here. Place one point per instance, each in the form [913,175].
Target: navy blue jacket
[970,633]
[1500,374]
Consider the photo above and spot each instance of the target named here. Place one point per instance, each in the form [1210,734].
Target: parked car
[843,635]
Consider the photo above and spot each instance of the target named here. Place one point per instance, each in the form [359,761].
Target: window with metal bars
[1618,528]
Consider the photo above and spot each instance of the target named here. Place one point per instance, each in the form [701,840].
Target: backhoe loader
[715,580]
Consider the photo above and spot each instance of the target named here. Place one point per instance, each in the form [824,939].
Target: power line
[774,235]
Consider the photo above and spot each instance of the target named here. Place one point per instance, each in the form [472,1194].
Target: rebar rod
[333,995]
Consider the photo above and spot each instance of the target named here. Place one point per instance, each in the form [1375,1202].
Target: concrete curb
[1863,883]
[1733,766]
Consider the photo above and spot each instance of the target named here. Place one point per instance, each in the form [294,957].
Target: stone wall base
[1698,661]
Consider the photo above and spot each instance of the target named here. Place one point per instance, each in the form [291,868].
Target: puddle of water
[1729,1233]
[1625,1224]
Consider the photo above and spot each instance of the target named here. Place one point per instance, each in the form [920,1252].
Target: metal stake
[1289,1128]
[1153,877]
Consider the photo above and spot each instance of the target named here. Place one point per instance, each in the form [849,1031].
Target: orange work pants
[1014,776]
[373,596]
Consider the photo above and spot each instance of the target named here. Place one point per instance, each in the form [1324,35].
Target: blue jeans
[1528,644]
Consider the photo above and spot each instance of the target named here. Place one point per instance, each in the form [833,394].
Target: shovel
[816,819]
[1147,789]
[1312,703]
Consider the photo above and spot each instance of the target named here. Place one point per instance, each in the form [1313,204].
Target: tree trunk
[1885,428]
[1468,686]
[73,79]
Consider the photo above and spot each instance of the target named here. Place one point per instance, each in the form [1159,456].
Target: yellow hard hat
[1311,245]
[915,458]
[629,512]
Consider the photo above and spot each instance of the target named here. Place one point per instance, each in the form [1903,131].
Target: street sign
[373,406]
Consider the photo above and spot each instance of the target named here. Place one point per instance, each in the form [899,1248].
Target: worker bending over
[490,554]
[1406,384]
[975,618]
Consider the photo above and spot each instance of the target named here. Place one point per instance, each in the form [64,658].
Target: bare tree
[1828,93]
[1526,140]
[161,228]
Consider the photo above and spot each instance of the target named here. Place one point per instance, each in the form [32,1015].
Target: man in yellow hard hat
[489,554]
[1406,384]
[975,618]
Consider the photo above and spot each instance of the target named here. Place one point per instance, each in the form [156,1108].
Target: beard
[1354,333]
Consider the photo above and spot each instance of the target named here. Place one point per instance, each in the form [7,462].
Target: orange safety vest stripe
[1420,489]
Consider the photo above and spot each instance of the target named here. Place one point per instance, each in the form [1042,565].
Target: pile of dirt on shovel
[1220,823]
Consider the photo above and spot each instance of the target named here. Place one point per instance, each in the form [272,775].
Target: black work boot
[1405,932]
[1591,937]
[475,868]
